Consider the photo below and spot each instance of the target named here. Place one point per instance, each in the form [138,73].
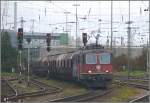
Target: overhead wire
[72,14]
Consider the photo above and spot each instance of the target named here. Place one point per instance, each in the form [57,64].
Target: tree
[138,63]
[8,53]
[119,62]
[141,61]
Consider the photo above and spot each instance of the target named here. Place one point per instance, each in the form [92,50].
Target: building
[38,42]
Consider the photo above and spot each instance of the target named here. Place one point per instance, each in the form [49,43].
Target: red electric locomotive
[96,68]
[91,66]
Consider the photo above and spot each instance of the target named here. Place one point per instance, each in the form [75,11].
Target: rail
[138,85]
[44,90]
[3,98]
[142,99]
[83,97]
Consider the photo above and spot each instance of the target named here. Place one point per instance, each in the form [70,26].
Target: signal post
[28,40]
[48,42]
[20,47]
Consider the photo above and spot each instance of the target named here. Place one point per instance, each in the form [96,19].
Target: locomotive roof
[71,54]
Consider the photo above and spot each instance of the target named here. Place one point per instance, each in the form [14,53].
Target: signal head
[84,37]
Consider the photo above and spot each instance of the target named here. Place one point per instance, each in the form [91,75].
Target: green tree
[8,53]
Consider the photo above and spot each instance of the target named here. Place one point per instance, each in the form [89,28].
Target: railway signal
[20,42]
[20,38]
[84,37]
[48,41]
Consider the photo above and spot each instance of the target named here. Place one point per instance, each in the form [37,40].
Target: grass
[69,88]
[6,74]
[133,73]
[124,94]
[23,88]
[5,89]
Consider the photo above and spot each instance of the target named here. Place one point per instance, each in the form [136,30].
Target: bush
[8,54]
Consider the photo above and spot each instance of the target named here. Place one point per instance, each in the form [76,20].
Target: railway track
[83,97]
[145,86]
[131,83]
[146,79]
[44,90]
[8,89]
[142,99]
[47,88]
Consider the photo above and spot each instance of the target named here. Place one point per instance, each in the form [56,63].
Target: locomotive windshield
[91,58]
[104,58]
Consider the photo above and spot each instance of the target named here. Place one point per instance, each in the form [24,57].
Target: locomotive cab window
[91,58]
[104,58]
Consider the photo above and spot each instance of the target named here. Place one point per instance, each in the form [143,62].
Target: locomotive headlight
[106,71]
[89,71]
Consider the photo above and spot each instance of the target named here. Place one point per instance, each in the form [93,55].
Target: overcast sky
[46,12]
